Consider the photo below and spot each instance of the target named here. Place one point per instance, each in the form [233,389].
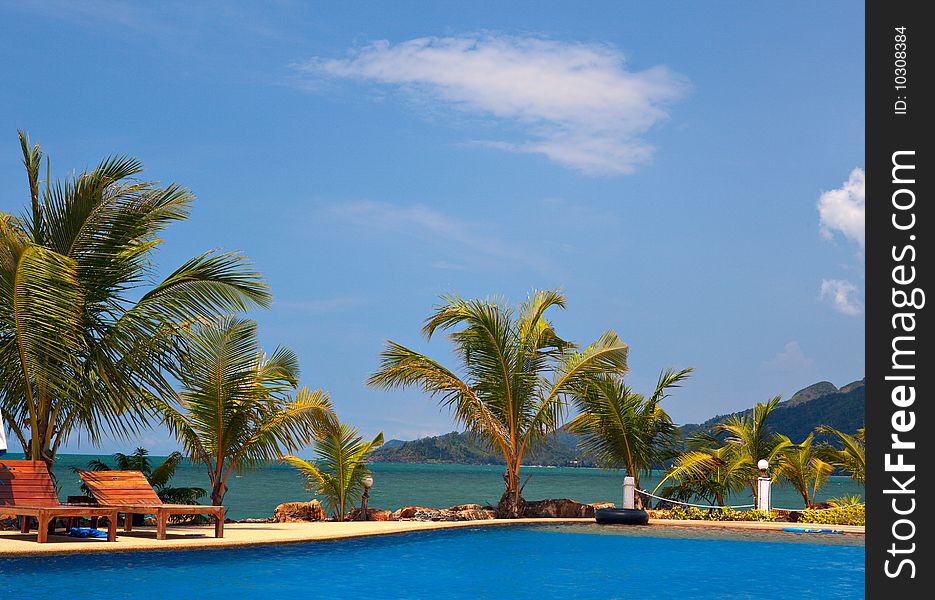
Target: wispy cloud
[842,210]
[576,103]
[843,296]
[418,219]
[790,359]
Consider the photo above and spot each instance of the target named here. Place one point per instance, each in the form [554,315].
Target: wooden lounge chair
[26,491]
[131,494]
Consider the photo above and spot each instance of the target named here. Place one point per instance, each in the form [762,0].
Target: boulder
[257,520]
[297,512]
[560,508]
[474,514]
[421,513]
[408,512]
[463,507]
[373,514]
[792,516]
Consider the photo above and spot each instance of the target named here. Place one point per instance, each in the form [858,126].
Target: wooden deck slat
[130,492]
[26,490]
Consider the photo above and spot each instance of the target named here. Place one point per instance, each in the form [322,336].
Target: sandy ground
[253,534]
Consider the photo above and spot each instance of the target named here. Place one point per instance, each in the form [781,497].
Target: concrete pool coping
[143,539]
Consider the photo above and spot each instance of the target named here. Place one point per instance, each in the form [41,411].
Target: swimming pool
[513,562]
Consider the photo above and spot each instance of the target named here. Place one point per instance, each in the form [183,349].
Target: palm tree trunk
[511,502]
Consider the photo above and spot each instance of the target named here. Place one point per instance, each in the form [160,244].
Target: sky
[690,177]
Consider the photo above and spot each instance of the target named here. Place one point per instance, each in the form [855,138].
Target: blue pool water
[491,562]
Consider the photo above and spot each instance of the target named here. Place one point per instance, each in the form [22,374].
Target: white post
[762,487]
[629,492]
[2,437]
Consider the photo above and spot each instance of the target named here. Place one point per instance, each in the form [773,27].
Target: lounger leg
[161,518]
[42,535]
[128,522]
[112,527]
[219,524]
[24,528]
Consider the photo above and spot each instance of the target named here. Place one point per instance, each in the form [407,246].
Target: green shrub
[855,514]
[715,514]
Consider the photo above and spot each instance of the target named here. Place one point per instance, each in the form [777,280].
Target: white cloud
[575,103]
[790,358]
[842,295]
[842,209]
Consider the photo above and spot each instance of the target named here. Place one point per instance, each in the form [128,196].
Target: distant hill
[457,448]
[818,404]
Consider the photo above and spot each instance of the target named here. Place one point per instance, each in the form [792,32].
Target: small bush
[855,514]
[715,514]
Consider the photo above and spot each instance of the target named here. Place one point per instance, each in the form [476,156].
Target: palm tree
[87,336]
[514,379]
[158,476]
[734,451]
[800,465]
[705,470]
[337,473]
[621,429]
[234,411]
[851,457]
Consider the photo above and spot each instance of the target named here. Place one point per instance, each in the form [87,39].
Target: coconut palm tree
[88,336]
[158,476]
[514,379]
[735,449]
[800,465]
[851,457]
[337,473]
[621,429]
[235,410]
[705,470]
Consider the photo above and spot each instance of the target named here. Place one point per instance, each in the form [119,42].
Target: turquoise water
[493,562]
[257,494]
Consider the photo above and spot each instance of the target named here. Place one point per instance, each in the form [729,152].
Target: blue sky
[690,177]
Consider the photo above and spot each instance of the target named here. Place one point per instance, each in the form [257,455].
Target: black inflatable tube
[621,516]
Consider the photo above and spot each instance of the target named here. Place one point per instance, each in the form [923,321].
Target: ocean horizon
[256,494]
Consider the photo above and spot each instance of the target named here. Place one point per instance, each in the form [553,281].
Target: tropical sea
[258,493]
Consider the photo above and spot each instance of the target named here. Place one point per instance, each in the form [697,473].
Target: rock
[560,508]
[373,514]
[297,512]
[463,507]
[475,514]
[421,513]
[792,516]
[257,520]
[408,512]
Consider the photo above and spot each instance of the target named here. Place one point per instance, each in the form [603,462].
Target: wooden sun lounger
[129,493]
[26,491]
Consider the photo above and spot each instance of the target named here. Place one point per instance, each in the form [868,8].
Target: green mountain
[818,404]
[457,448]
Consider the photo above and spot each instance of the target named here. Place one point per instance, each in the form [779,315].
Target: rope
[645,493]
[801,509]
